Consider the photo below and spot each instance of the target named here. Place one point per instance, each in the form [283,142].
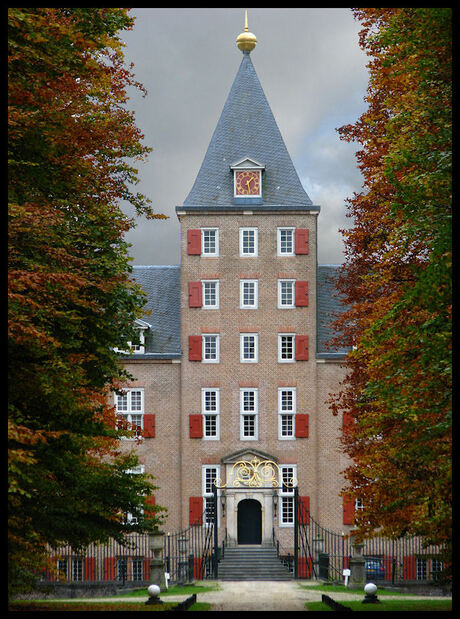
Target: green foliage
[397,279]
[71,141]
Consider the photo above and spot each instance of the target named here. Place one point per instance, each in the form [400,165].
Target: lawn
[389,605]
[427,604]
[91,605]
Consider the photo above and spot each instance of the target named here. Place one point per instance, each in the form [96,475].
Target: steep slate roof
[247,128]
[328,307]
[162,287]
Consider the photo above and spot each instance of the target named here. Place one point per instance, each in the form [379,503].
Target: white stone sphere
[370,588]
[153,590]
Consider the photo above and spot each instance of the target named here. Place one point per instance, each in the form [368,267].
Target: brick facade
[245,396]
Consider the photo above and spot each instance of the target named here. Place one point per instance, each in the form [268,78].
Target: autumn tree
[396,280]
[71,144]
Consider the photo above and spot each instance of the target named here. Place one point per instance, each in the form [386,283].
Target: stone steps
[252,563]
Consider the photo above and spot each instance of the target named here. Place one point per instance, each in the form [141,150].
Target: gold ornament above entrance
[256,473]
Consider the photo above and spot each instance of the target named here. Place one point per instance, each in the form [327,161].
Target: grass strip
[388,605]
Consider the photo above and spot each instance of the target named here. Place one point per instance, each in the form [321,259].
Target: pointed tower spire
[246,41]
[247,130]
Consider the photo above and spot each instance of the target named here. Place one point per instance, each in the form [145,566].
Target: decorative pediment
[247,454]
[247,164]
[251,468]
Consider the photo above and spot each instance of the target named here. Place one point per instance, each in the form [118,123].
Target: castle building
[233,364]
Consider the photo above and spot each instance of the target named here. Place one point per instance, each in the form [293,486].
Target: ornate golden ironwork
[256,473]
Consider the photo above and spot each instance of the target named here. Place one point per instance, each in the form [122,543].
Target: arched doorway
[249,522]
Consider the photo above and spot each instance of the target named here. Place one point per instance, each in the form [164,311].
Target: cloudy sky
[313,74]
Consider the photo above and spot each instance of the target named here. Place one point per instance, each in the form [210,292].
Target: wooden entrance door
[249,522]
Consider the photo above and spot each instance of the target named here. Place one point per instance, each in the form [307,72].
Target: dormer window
[247,181]
[137,348]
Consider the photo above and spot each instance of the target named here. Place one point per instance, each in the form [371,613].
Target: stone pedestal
[358,568]
[157,572]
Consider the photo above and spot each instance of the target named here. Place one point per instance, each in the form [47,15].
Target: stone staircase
[252,563]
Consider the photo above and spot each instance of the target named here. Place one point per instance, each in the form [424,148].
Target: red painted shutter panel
[301,425]
[409,567]
[198,571]
[301,241]
[194,242]
[109,568]
[194,348]
[150,501]
[301,294]
[348,511]
[301,347]
[196,426]
[195,294]
[149,426]
[146,569]
[196,510]
[304,510]
[90,568]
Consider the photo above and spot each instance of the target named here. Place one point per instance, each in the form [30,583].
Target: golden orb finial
[246,41]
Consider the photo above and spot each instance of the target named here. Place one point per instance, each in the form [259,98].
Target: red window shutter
[194,294]
[348,511]
[304,567]
[301,294]
[196,510]
[149,502]
[194,242]
[301,347]
[90,568]
[149,426]
[304,510]
[147,569]
[409,567]
[198,571]
[109,568]
[301,425]
[196,426]
[194,348]
[301,241]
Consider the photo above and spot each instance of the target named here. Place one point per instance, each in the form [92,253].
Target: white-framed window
[359,504]
[287,397]
[77,569]
[209,242]
[249,242]
[285,242]
[286,293]
[61,566]
[138,349]
[286,494]
[138,569]
[211,348]
[210,409]
[249,406]
[286,347]
[249,293]
[130,407]
[210,293]
[209,473]
[249,347]
[129,516]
